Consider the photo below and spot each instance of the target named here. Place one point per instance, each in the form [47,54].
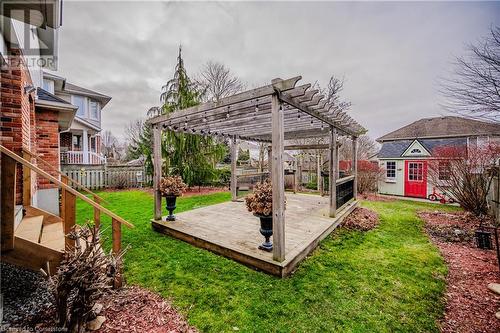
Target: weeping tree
[191,156]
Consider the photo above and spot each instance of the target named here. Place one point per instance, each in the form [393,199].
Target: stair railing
[65,179]
[9,161]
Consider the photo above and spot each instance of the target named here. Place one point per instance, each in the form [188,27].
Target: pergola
[273,113]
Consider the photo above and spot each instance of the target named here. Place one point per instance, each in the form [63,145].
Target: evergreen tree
[191,156]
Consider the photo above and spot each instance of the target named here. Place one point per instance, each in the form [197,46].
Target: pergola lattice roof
[247,115]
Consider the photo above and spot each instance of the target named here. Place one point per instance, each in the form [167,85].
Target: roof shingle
[439,127]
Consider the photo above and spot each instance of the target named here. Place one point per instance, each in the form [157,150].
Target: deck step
[30,228]
[53,236]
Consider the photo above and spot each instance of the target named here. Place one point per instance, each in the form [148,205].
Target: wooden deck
[230,230]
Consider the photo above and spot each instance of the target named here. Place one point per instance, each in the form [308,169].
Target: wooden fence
[108,176]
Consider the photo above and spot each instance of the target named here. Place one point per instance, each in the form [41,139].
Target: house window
[80,102]
[390,172]
[92,144]
[444,170]
[77,142]
[415,171]
[48,85]
[94,110]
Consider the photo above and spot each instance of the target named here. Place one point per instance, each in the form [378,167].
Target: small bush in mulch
[470,306]
[27,305]
[136,309]
[361,219]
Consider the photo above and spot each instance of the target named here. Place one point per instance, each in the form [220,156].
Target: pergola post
[234,181]
[299,171]
[278,179]
[157,171]
[337,159]
[318,173]
[269,159]
[296,176]
[333,172]
[355,166]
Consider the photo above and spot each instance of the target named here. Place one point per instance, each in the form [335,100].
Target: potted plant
[260,203]
[172,187]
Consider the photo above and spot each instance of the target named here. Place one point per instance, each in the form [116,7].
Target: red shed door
[416,179]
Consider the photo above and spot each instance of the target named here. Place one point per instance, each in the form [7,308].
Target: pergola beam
[281,85]
[319,146]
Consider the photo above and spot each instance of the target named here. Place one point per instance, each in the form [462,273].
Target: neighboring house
[405,152]
[81,143]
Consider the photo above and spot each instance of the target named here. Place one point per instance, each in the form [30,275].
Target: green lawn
[390,279]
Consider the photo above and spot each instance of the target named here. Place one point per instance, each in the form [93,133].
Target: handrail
[47,164]
[56,181]
[344,179]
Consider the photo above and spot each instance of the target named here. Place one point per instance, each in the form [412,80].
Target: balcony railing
[80,157]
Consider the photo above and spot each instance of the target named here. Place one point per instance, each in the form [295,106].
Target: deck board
[230,230]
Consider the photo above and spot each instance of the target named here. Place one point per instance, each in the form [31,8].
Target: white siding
[396,186]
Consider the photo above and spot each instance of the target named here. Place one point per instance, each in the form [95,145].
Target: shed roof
[395,149]
[247,115]
[441,127]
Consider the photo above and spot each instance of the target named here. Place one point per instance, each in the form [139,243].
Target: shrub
[172,185]
[261,200]
[312,185]
[464,174]
[84,275]
[369,175]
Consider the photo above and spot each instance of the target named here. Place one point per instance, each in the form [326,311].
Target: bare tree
[474,91]
[367,147]
[463,173]
[332,94]
[218,82]
[108,143]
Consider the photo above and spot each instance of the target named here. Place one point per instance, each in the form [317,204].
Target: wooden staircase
[34,238]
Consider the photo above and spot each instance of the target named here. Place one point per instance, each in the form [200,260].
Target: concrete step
[30,228]
[53,236]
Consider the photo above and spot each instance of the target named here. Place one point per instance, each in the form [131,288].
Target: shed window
[444,170]
[391,170]
[416,151]
[415,171]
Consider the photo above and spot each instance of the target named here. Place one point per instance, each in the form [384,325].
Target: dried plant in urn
[260,203]
[172,187]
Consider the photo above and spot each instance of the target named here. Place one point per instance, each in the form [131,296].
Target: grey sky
[391,54]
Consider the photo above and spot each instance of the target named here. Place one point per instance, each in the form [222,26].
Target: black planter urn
[483,239]
[266,230]
[171,200]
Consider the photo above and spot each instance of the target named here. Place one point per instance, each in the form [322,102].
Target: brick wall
[47,137]
[17,109]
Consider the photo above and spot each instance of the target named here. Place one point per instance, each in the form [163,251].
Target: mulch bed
[470,305]
[361,219]
[135,309]
[27,305]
